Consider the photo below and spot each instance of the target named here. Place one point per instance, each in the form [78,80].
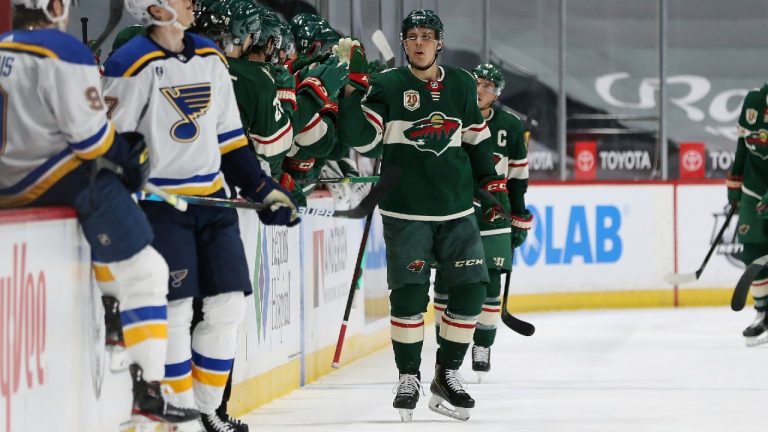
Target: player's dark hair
[24,18]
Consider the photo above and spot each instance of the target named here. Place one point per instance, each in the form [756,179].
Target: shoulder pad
[132,58]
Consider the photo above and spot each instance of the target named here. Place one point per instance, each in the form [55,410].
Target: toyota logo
[692,160]
[585,160]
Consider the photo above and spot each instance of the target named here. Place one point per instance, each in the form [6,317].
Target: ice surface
[670,370]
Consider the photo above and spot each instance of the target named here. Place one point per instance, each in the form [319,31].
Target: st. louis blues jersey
[184,105]
[52,114]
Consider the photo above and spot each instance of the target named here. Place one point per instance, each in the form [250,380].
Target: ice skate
[150,405]
[481,361]
[407,389]
[448,386]
[222,422]
[756,333]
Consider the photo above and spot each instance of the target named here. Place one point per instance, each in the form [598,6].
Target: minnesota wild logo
[434,133]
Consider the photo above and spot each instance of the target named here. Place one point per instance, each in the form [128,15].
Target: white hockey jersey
[184,105]
[51,110]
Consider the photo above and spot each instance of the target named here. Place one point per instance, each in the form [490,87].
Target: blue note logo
[592,236]
[190,101]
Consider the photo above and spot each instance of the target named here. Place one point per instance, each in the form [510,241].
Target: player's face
[486,93]
[421,46]
[184,11]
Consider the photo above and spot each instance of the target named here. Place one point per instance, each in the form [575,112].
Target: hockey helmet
[491,73]
[245,21]
[140,10]
[43,5]
[270,28]
[423,18]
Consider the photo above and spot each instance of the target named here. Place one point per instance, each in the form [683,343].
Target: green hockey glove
[324,80]
[521,224]
[492,214]
[286,85]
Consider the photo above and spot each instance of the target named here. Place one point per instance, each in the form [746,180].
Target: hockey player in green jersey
[424,118]
[500,237]
[748,188]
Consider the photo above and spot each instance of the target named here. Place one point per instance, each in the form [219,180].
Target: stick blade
[380,40]
[680,278]
[739,298]
[517,325]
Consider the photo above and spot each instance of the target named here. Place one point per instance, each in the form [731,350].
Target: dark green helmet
[270,28]
[491,73]
[423,18]
[123,36]
[212,19]
[315,38]
[299,21]
[245,21]
[287,44]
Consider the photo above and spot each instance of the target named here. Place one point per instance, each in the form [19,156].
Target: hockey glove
[375,66]
[286,86]
[352,53]
[521,224]
[303,61]
[130,152]
[734,188]
[281,207]
[288,183]
[324,80]
[492,214]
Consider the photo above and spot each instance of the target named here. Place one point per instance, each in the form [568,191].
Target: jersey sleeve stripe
[312,133]
[142,62]
[518,173]
[312,123]
[96,145]
[202,52]
[475,134]
[35,50]
[518,163]
[197,185]
[477,128]
[40,180]
[374,118]
[274,137]
[233,144]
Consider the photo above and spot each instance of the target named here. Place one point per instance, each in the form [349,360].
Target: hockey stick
[341,180]
[681,278]
[84,29]
[383,46]
[389,180]
[515,324]
[115,15]
[173,200]
[741,291]
[355,281]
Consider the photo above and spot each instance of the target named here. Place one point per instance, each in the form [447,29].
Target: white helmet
[140,10]
[43,4]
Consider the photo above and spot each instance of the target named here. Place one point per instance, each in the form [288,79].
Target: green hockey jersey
[264,120]
[750,167]
[510,154]
[432,130]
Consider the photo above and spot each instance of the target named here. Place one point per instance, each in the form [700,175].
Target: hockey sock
[440,301]
[214,342]
[140,283]
[759,290]
[407,325]
[457,325]
[489,318]
[178,360]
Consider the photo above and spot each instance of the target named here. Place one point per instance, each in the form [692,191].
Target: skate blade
[436,404]
[757,340]
[480,376]
[139,425]
[406,415]
[190,426]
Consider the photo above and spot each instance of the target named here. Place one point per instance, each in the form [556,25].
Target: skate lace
[231,420]
[482,354]
[408,384]
[759,319]
[218,424]
[455,381]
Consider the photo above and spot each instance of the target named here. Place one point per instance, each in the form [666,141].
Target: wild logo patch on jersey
[433,133]
[190,101]
[417,266]
[493,215]
[757,143]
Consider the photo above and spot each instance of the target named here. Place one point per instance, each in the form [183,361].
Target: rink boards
[606,245]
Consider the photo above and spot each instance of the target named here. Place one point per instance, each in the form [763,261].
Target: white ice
[660,370]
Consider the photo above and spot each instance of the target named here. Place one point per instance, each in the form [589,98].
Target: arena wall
[592,246]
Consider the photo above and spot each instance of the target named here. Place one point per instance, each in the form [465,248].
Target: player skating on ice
[424,118]
[50,155]
[500,237]
[174,87]
[748,188]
